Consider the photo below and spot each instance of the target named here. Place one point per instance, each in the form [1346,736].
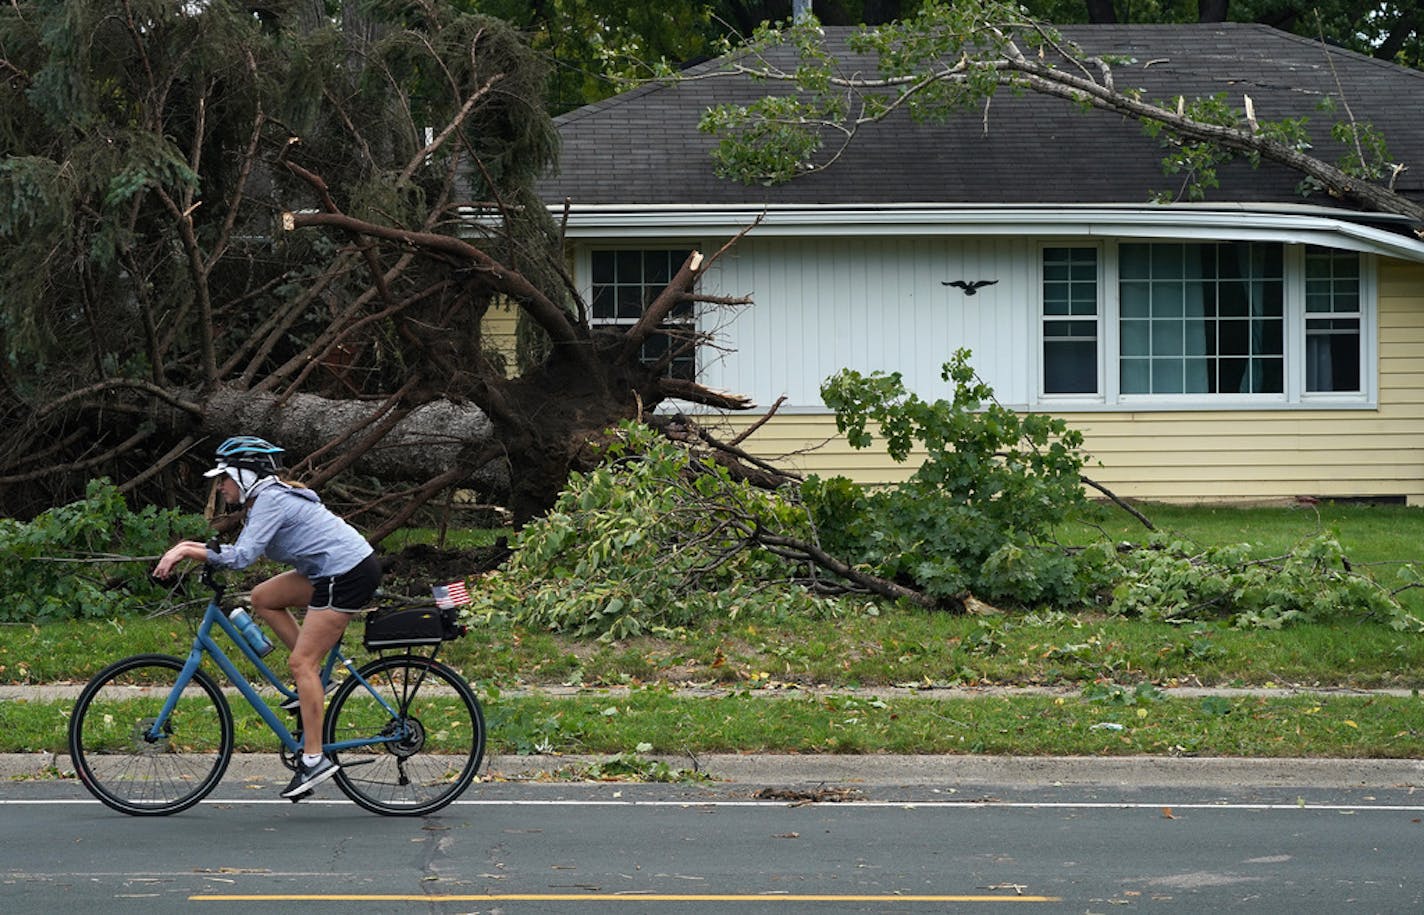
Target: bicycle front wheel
[430,749]
[134,767]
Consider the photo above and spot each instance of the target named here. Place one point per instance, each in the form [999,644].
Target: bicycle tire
[443,738]
[131,772]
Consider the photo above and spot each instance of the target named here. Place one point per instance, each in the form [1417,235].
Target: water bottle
[251,631]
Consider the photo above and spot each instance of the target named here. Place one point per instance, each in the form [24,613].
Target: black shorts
[349,592]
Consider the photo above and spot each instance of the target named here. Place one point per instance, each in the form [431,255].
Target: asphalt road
[785,835]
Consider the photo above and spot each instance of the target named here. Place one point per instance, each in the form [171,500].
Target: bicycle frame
[204,643]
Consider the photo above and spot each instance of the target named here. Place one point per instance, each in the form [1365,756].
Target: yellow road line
[612,897]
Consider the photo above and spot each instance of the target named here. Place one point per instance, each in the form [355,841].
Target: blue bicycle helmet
[248,460]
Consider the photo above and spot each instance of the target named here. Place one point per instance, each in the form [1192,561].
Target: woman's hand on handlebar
[185,549]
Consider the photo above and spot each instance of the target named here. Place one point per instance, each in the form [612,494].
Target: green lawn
[1124,668]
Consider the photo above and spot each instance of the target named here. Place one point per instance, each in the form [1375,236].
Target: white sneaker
[308,778]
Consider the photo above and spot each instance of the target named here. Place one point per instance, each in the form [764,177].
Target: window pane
[1234,338]
[1167,338]
[1233,376]
[1056,298]
[1136,378]
[659,268]
[1134,261]
[1199,380]
[1136,299]
[1195,341]
[1268,299]
[1271,339]
[1070,348]
[1166,260]
[1201,261]
[602,266]
[1233,262]
[1271,378]
[1332,281]
[1233,300]
[1070,366]
[1216,317]
[1332,355]
[1136,338]
[629,267]
[1167,300]
[630,301]
[603,303]
[1199,299]
[1271,260]
[1167,376]
[625,282]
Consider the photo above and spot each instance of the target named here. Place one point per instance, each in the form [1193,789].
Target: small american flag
[451,595]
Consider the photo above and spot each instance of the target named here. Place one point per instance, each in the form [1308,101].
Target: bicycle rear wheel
[128,768]
[433,745]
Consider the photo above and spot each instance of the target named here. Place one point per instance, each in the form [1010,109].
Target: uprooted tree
[234,218]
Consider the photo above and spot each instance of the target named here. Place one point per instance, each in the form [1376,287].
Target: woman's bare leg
[319,631]
[274,600]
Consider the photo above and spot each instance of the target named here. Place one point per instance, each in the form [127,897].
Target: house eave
[1293,223]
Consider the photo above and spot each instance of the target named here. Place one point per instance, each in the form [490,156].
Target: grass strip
[1110,723]
[895,647]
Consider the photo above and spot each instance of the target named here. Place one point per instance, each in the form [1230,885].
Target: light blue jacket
[290,525]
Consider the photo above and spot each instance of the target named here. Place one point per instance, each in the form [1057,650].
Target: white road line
[849,805]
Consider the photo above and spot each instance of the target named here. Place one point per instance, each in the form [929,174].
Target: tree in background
[596,46]
[1389,30]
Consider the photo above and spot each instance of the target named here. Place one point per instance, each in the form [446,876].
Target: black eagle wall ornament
[970,288]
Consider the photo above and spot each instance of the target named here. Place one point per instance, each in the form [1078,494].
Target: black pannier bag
[411,627]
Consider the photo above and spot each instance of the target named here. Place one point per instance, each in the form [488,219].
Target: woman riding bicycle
[335,573]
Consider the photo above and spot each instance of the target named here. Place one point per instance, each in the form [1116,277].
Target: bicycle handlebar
[210,579]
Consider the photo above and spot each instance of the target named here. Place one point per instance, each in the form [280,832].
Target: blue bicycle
[153,734]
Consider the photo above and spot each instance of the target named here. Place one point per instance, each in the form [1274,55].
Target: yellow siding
[498,332]
[1255,456]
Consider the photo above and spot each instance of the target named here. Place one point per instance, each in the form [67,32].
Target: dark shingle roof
[643,147]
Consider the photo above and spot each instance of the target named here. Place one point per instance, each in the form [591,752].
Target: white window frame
[1369,345]
[1099,396]
[1293,396]
[584,269]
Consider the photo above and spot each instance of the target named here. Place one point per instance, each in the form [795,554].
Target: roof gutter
[1365,232]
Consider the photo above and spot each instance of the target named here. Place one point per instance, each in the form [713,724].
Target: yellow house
[1258,346]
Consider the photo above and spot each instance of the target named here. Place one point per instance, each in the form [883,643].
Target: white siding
[1205,456]
[871,304]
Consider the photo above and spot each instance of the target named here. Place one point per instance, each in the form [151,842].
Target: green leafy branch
[954,55]
[88,559]
[1177,581]
[658,537]
[977,515]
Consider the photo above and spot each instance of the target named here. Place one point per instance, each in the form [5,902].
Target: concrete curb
[878,770]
